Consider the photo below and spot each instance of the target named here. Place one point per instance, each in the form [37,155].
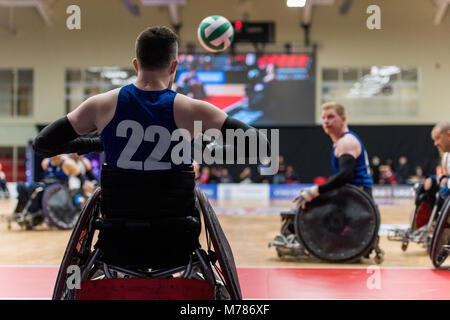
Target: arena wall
[408,37]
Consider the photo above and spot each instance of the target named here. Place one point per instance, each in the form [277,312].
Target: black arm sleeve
[345,175]
[91,176]
[234,124]
[82,180]
[60,137]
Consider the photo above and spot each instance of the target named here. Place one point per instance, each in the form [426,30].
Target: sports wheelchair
[338,226]
[440,241]
[199,279]
[56,207]
[422,220]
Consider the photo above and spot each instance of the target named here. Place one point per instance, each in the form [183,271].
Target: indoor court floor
[29,260]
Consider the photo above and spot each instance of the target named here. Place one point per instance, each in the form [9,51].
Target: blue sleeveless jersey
[138,138]
[361,174]
[57,172]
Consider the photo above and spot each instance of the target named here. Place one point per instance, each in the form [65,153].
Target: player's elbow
[39,144]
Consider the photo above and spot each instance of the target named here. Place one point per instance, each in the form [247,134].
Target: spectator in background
[205,175]
[387,176]
[265,163]
[402,172]
[319,180]
[246,175]
[291,175]
[375,168]
[214,176]
[3,187]
[390,163]
[419,172]
[280,177]
[225,177]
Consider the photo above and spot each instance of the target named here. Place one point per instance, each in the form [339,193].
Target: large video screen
[266,90]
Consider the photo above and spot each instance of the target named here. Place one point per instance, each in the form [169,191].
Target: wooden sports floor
[29,260]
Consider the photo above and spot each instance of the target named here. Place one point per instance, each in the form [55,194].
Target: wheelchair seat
[149,220]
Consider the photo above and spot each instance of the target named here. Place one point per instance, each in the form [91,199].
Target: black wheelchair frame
[422,235]
[79,252]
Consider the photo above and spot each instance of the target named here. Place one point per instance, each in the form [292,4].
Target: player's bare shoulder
[348,144]
[94,113]
[187,110]
[106,104]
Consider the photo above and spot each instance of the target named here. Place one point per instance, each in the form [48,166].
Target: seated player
[441,137]
[427,190]
[57,169]
[3,187]
[141,181]
[348,156]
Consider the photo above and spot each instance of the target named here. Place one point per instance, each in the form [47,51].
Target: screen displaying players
[261,90]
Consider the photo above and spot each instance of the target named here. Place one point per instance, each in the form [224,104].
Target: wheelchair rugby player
[147,211]
[440,241]
[337,221]
[50,200]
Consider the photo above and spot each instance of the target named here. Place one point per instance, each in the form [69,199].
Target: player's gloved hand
[307,195]
[203,142]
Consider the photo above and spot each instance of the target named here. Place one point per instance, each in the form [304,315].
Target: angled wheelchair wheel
[78,250]
[216,236]
[439,248]
[422,214]
[58,207]
[339,226]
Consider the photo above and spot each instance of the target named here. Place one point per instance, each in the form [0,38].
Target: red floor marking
[34,282]
[343,283]
[24,282]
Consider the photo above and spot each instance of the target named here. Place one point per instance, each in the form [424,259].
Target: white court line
[25,298]
[27,266]
[334,267]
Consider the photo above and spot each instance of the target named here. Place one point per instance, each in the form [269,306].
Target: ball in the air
[215,33]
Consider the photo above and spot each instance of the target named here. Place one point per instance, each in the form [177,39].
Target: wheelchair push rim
[76,243]
[221,246]
[63,223]
[339,226]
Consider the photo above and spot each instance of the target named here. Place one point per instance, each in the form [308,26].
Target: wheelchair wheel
[339,226]
[58,207]
[221,246]
[78,249]
[441,237]
[422,214]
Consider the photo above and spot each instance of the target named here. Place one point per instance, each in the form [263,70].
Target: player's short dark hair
[156,47]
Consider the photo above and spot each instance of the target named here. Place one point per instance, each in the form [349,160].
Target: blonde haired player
[349,157]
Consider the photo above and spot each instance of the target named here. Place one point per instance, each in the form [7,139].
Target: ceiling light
[295,3]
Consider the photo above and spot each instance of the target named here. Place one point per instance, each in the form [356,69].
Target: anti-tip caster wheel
[405,245]
[279,254]
[379,257]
